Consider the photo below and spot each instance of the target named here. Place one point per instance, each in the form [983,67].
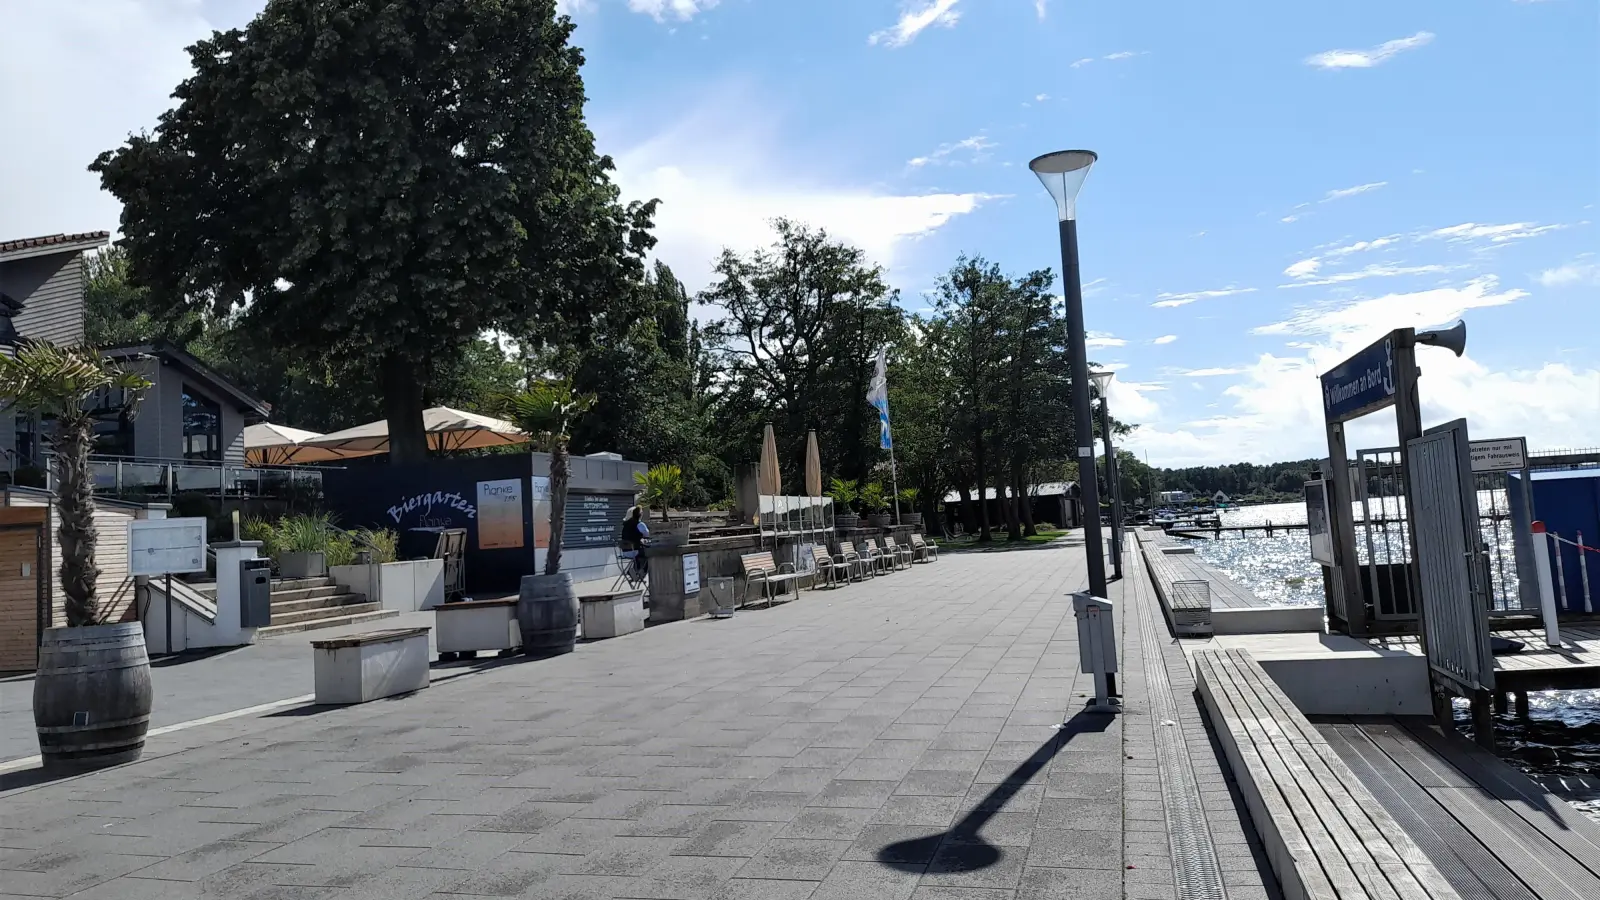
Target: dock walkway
[1225,592]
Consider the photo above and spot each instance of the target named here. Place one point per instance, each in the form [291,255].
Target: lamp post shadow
[968,850]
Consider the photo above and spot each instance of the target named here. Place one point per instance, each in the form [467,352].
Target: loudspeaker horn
[1453,338]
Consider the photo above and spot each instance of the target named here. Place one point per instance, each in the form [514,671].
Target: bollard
[1583,570]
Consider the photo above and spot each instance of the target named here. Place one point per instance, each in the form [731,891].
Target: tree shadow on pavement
[968,850]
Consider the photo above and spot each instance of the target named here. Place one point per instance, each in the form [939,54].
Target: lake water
[1563,737]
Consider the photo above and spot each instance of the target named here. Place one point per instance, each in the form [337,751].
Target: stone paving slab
[899,738]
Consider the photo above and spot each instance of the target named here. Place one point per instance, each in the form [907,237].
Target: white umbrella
[447,429]
[270,444]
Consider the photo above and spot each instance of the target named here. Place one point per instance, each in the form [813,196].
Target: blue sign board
[1361,384]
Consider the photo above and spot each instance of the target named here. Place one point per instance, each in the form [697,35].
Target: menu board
[594,520]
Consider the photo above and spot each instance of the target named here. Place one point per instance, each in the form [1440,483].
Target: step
[325,612]
[297,584]
[291,595]
[324,601]
[355,619]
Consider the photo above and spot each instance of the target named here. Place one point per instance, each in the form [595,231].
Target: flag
[878,398]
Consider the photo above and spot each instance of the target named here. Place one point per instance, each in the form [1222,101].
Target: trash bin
[255,593]
[722,599]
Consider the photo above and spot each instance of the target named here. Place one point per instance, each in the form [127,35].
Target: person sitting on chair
[634,533]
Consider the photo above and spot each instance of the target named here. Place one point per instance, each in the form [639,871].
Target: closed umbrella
[813,466]
[768,479]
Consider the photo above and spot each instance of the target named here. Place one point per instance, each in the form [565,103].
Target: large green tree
[378,183]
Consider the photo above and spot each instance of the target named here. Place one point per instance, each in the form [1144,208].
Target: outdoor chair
[875,557]
[852,560]
[828,568]
[897,553]
[922,550]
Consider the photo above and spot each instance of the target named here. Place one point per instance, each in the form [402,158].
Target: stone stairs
[304,604]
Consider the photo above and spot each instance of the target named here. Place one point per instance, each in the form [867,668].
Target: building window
[202,426]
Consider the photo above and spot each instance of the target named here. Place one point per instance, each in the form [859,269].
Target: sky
[1279,184]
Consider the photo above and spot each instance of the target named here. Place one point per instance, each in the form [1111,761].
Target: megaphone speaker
[1453,338]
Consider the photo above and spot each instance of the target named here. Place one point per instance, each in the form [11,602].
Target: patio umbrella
[813,466]
[270,444]
[767,479]
[447,429]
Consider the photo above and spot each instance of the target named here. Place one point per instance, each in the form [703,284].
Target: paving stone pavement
[899,738]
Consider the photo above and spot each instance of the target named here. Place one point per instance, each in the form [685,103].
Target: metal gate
[1450,559]
[1383,538]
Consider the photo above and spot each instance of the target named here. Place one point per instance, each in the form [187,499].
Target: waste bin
[255,593]
[722,601]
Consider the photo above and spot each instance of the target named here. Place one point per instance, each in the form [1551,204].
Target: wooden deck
[1492,832]
[1225,592]
[1576,665]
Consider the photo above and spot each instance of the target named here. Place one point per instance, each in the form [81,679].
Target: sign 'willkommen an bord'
[1363,383]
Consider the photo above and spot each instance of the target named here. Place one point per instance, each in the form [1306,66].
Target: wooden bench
[922,550]
[760,567]
[1325,834]
[1186,601]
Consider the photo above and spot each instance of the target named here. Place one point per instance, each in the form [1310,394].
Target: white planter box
[477,625]
[612,615]
[370,666]
[407,586]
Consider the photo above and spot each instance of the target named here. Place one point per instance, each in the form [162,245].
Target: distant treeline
[1240,479]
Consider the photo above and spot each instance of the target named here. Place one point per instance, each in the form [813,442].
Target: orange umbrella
[813,466]
[767,479]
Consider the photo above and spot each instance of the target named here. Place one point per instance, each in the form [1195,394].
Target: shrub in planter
[91,695]
[303,545]
[844,494]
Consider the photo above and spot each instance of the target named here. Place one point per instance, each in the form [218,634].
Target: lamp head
[1101,380]
[1062,173]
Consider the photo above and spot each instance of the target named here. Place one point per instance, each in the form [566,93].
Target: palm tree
[547,410]
[53,380]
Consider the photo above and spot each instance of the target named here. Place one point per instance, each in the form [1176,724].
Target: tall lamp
[1102,381]
[1063,173]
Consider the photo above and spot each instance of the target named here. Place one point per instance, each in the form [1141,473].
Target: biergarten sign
[1362,384]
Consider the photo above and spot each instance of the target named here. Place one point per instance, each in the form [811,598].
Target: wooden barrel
[91,696]
[547,612]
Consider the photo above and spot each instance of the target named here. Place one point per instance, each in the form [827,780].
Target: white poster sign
[166,546]
[1499,454]
[501,514]
[541,487]
[691,573]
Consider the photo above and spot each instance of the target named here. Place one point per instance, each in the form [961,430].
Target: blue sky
[1279,183]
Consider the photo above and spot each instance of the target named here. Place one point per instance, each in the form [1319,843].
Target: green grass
[970,542]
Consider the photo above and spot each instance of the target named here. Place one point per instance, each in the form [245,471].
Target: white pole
[1583,570]
[1547,588]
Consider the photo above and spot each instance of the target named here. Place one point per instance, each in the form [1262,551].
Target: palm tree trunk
[75,532]
[558,506]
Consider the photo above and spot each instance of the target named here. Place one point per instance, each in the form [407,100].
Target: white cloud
[1305,268]
[1372,271]
[717,173]
[1040,98]
[1210,373]
[1342,193]
[1082,62]
[95,70]
[915,18]
[1289,218]
[977,145]
[1366,59]
[1100,339]
[1170,301]
[1122,54]
[1570,274]
[1496,234]
[1042,8]
[1109,57]
[1165,339]
[1275,411]
[1363,246]
[683,10]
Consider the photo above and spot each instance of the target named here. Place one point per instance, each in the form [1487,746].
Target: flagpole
[894,472]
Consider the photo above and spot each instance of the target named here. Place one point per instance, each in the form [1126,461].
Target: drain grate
[1195,869]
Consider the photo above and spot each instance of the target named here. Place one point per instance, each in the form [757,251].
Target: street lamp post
[1063,173]
[1102,381]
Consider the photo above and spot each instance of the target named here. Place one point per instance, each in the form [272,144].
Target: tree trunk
[1024,502]
[968,521]
[983,477]
[1008,508]
[75,532]
[402,405]
[558,506]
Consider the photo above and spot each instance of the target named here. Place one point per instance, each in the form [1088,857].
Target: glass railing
[146,479]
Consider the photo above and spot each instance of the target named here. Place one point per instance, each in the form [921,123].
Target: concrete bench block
[475,625]
[612,615]
[371,666]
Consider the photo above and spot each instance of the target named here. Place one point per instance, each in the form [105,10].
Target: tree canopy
[380,182]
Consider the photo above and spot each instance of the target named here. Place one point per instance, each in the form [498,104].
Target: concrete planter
[478,625]
[880,520]
[669,534]
[846,521]
[365,667]
[407,586]
[296,564]
[612,615]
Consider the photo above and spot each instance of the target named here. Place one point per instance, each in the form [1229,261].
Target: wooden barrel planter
[91,696]
[547,613]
